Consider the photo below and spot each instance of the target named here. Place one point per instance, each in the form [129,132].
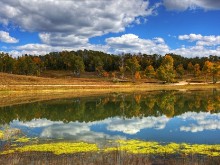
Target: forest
[166,68]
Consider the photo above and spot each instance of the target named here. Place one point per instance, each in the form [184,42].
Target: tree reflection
[169,103]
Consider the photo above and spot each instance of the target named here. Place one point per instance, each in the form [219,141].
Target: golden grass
[17,89]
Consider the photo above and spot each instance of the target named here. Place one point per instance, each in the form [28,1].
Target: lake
[161,116]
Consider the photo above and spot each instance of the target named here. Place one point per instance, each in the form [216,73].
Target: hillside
[48,78]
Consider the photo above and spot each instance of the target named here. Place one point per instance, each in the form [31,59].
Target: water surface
[163,116]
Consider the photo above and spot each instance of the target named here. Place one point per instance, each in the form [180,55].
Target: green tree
[77,65]
[133,66]
[166,71]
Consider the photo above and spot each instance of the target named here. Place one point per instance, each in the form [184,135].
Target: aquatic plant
[56,148]
[129,146]
[1,134]
[155,148]
[22,140]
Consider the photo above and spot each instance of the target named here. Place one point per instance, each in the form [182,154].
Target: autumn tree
[166,72]
[215,71]
[196,70]
[133,66]
[190,68]
[207,68]
[149,71]
[180,70]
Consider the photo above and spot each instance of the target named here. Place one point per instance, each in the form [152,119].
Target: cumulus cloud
[196,51]
[73,22]
[200,121]
[5,37]
[192,4]
[211,40]
[131,43]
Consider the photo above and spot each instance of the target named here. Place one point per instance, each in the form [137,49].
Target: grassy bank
[18,89]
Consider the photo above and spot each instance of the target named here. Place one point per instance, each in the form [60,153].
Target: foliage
[166,71]
[196,70]
[149,71]
[190,68]
[137,75]
[77,65]
[180,70]
[133,66]
[91,61]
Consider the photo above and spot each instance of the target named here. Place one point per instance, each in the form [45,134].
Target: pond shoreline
[19,94]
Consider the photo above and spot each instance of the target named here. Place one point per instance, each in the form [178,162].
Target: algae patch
[57,148]
[22,140]
[1,134]
[129,146]
[155,148]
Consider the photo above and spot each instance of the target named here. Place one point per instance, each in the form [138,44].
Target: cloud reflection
[200,121]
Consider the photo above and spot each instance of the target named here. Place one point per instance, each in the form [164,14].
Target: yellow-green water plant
[22,140]
[57,148]
[1,134]
[155,148]
[130,146]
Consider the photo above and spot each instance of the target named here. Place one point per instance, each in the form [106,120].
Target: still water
[163,116]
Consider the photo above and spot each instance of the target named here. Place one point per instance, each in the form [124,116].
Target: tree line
[165,68]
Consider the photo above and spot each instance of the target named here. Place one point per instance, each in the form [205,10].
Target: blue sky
[188,27]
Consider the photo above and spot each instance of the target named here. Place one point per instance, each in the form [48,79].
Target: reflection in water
[166,116]
[201,121]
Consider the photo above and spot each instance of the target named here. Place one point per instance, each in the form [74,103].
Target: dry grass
[16,89]
[113,158]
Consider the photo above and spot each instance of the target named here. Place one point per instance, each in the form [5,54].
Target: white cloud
[135,125]
[191,37]
[201,121]
[195,51]
[192,4]
[42,49]
[76,131]
[61,39]
[211,40]
[66,23]
[36,123]
[5,37]
[131,43]
[204,45]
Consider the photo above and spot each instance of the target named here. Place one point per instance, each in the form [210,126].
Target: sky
[190,28]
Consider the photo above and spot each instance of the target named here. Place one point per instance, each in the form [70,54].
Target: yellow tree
[190,68]
[207,68]
[215,71]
